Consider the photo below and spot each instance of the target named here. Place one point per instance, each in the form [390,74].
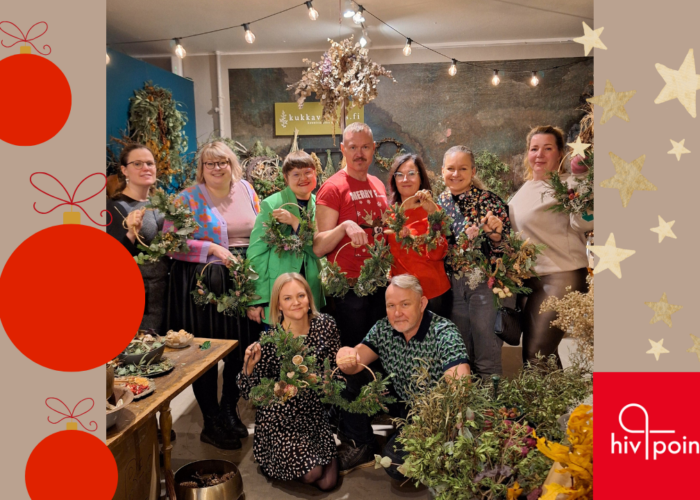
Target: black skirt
[205,321]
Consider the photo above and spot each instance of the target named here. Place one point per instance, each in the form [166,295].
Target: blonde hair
[543,130]
[213,152]
[358,127]
[283,279]
[464,149]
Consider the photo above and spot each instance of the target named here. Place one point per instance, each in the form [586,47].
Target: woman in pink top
[225,206]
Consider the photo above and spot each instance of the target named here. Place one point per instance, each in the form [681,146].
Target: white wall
[202,70]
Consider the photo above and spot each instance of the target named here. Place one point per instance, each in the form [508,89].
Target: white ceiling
[436,23]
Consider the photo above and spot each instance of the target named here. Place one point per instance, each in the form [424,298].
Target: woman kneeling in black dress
[294,441]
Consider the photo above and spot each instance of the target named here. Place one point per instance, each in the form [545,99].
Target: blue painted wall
[126,74]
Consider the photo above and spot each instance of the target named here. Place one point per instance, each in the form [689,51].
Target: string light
[249,36]
[495,80]
[107,58]
[407,48]
[358,18]
[453,69]
[179,49]
[313,13]
[365,39]
[349,11]
[534,80]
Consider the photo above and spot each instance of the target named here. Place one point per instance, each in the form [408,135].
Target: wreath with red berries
[439,224]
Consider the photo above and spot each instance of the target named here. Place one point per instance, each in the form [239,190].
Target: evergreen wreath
[295,243]
[372,399]
[577,200]
[439,224]
[236,301]
[373,273]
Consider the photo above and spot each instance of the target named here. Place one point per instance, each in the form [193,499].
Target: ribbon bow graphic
[71,414]
[71,199]
[25,38]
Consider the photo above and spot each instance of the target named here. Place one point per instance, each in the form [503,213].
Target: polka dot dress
[293,438]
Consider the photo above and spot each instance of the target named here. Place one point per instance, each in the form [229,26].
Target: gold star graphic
[612,102]
[590,39]
[664,229]
[680,84]
[610,256]
[696,346]
[657,348]
[579,148]
[628,178]
[663,310]
[678,149]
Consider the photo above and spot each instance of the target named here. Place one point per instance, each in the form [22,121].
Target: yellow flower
[514,492]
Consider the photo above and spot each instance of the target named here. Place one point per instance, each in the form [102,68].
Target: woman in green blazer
[299,173]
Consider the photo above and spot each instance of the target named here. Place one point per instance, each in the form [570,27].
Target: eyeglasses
[211,165]
[411,174]
[138,165]
[365,149]
[308,174]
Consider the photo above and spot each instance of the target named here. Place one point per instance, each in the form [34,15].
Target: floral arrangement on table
[374,273]
[235,302]
[439,224]
[576,200]
[464,442]
[577,458]
[299,372]
[575,316]
[295,243]
[344,75]
[174,240]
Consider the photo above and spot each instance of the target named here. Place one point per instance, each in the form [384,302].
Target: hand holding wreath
[286,217]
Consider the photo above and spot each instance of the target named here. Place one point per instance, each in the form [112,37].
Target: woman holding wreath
[131,219]
[285,244]
[409,184]
[471,206]
[563,263]
[294,441]
[225,206]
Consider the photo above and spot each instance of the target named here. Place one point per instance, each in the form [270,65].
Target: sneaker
[215,435]
[351,456]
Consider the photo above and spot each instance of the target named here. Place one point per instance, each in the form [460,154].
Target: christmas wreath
[236,301]
[295,243]
[576,200]
[174,240]
[299,372]
[373,273]
[439,224]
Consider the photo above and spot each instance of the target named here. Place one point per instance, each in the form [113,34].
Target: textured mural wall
[429,111]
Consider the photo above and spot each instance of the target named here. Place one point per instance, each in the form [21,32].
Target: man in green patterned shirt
[408,334]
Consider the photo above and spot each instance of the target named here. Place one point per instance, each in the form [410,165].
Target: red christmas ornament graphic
[55,464]
[71,282]
[35,96]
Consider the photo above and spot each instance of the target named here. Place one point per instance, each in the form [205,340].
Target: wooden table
[190,364]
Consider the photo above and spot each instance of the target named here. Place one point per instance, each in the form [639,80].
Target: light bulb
[249,37]
[453,69]
[365,39]
[179,49]
[107,58]
[495,80]
[407,48]
[534,80]
[358,18]
[349,11]
[313,13]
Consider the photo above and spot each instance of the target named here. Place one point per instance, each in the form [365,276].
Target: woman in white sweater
[564,262]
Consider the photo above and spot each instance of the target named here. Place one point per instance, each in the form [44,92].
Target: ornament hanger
[72,217]
[25,38]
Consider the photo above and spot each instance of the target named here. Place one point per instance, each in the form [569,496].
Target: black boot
[231,418]
[215,434]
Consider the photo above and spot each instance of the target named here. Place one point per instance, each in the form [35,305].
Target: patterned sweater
[212,226]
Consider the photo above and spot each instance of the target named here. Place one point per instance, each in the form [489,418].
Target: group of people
[426,312]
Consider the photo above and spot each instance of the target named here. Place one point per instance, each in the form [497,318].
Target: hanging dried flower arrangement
[344,76]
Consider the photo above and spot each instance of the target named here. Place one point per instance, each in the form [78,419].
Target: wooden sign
[308,119]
